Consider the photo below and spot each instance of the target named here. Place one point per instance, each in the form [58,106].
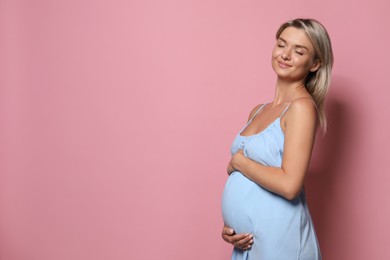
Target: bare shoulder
[303,107]
[254,110]
[302,112]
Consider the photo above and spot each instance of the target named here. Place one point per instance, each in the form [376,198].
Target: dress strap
[250,120]
[284,111]
[258,110]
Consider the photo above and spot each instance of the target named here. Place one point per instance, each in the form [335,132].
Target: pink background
[116,119]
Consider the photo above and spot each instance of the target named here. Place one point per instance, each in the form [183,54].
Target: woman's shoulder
[301,112]
[255,110]
[302,109]
[303,104]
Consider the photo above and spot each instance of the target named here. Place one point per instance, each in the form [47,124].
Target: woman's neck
[288,91]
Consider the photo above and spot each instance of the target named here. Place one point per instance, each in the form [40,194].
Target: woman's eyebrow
[302,47]
[296,46]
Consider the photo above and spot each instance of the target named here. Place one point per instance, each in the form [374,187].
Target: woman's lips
[283,64]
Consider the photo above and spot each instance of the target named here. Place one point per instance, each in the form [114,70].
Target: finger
[247,247]
[240,238]
[227,230]
[228,238]
[227,233]
[229,169]
[243,247]
[245,242]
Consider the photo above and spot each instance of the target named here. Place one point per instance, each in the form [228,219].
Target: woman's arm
[287,181]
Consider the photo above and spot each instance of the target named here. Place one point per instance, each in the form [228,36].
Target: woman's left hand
[241,241]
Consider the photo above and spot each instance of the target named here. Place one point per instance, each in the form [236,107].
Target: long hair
[317,82]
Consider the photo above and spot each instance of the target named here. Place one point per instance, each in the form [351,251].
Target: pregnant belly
[241,200]
[247,206]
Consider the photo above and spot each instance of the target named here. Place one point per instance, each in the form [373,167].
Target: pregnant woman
[263,205]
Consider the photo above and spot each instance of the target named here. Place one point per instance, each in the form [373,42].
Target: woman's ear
[316,65]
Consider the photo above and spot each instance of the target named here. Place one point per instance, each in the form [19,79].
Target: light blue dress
[282,229]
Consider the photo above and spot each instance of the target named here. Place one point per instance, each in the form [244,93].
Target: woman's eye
[299,52]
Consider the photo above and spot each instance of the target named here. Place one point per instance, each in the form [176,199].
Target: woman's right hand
[240,241]
[229,168]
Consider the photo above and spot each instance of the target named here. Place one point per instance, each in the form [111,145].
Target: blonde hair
[317,82]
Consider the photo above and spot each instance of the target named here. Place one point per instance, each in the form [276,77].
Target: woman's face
[293,55]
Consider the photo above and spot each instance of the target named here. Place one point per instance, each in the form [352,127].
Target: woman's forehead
[295,36]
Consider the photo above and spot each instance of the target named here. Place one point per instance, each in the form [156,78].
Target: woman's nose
[286,55]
